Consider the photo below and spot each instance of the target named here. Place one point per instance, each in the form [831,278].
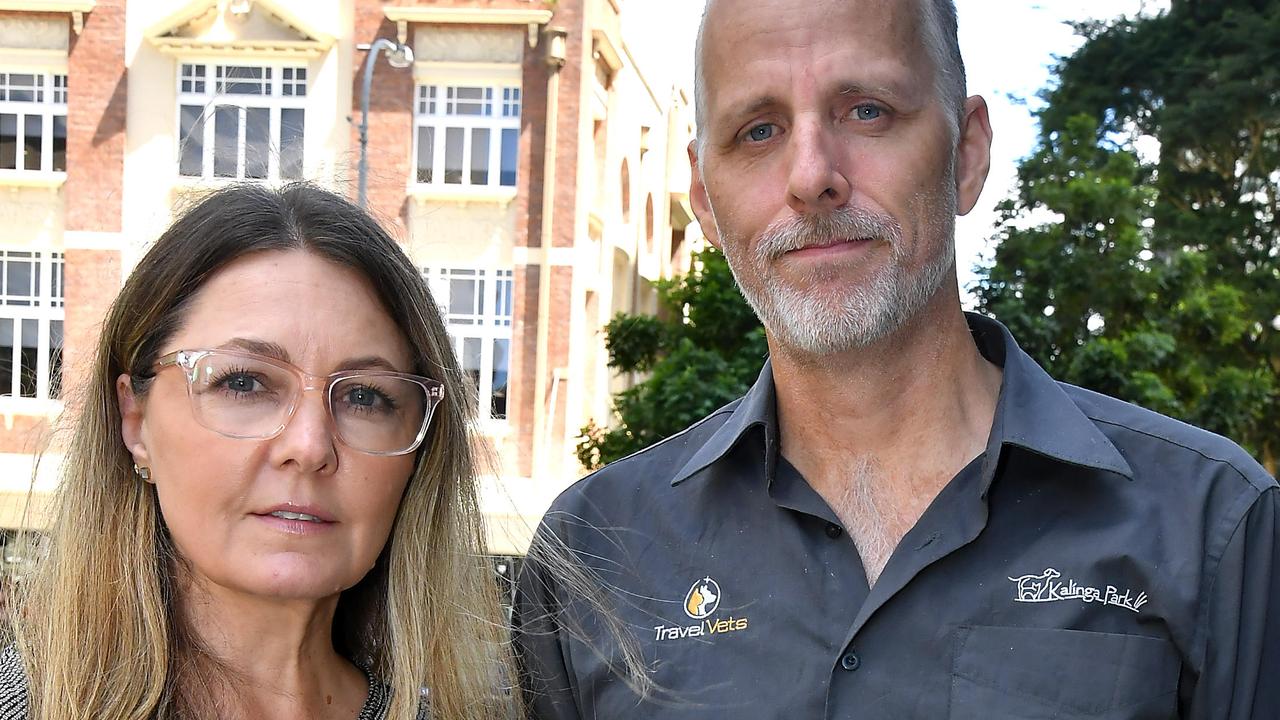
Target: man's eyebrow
[261,347]
[853,88]
[754,106]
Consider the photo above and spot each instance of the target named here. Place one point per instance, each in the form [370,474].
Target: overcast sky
[1008,46]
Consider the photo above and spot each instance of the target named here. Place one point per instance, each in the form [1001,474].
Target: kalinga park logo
[1046,587]
[700,603]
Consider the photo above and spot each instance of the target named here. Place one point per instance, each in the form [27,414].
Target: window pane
[22,88]
[17,281]
[6,356]
[462,301]
[245,80]
[226,137]
[510,146]
[31,139]
[471,359]
[292,127]
[60,143]
[498,399]
[8,141]
[453,138]
[480,156]
[55,359]
[257,142]
[30,337]
[426,153]
[469,101]
[191,141]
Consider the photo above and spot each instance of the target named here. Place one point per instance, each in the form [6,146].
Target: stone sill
[461,193]
[32,178]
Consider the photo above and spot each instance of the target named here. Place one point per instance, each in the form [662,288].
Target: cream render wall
[153,188]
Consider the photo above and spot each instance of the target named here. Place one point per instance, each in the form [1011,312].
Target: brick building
[530,164]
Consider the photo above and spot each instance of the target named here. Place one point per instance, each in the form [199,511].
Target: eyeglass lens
[244,397]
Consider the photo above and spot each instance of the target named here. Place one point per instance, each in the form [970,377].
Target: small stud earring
[143,473]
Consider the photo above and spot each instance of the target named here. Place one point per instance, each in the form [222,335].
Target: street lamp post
[399,55]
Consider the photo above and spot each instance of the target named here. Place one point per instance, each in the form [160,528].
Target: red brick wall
[96,120]
[570,16]
[92,281]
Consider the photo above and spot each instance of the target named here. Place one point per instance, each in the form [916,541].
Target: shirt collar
[1033,412]
[756,409]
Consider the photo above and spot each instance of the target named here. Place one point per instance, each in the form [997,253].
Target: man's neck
[878,431]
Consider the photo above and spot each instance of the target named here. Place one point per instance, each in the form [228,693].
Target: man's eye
[867,112]
[760,133]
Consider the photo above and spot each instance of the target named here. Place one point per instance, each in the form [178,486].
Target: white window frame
[50,102]
[209,97]
[492,322]
[504,106]
[46,306]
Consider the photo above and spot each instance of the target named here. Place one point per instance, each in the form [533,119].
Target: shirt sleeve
[541,641]
[1242,622]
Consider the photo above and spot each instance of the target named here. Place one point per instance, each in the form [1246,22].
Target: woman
[268,504]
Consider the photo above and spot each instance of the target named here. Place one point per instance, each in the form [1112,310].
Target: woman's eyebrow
[261,347]
[368,362]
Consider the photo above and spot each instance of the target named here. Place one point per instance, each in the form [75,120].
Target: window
[477,310]
[31,317]
[33,122]
[241,121]
[466,135]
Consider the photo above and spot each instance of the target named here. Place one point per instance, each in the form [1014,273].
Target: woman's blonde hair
[96,623]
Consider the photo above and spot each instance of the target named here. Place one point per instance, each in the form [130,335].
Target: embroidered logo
[700,603]
[1048,587]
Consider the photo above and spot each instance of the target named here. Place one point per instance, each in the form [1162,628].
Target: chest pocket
[1052,674]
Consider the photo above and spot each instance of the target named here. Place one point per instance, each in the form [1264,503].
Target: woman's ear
[131,415]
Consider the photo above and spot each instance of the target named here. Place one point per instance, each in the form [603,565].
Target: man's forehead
[730,17]
[873,42]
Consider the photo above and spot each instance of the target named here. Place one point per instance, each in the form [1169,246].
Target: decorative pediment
[238,26]
[77,8]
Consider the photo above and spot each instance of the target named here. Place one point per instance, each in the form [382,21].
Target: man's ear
[973,154]
[699,200]
[131,415]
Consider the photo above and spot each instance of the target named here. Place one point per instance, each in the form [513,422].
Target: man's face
[828,171]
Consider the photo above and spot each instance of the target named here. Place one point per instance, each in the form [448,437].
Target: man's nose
[817,182]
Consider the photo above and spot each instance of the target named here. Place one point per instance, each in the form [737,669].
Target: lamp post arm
[369,61]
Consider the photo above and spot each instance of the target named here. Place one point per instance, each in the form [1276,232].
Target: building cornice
[77,8]
[402,16]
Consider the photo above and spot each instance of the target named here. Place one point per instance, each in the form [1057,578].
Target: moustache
[844,223]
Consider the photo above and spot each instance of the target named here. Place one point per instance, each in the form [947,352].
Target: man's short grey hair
[940,36]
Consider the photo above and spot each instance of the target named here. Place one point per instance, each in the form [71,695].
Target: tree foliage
[1154,275]
[704,349]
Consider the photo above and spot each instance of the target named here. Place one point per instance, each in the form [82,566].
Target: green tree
[1156,280]
[704,349]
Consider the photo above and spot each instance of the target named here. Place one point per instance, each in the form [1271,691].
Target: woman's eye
[760,133]
[867,112]
[241,383]
[362,397]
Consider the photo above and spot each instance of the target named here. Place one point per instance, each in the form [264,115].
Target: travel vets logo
[700,603]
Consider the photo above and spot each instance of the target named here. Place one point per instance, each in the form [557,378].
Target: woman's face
[218,494]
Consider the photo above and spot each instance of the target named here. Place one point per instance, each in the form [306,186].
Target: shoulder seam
[1175,443]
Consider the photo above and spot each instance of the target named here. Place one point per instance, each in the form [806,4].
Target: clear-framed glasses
[250,396]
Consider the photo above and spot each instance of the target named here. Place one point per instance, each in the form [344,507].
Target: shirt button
[834,531]
[850,661]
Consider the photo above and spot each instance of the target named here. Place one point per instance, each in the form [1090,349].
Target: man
[905,517]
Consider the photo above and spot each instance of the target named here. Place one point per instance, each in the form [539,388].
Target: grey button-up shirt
[1096,561]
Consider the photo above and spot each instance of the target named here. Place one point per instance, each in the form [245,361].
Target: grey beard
[818,324]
